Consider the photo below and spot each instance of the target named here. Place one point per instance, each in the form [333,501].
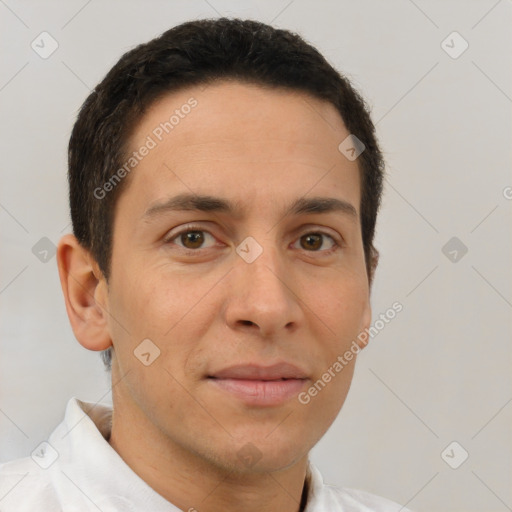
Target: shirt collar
[90,464]
[97,470]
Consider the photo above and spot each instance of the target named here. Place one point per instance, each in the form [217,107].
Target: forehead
[227,105]
[205,139]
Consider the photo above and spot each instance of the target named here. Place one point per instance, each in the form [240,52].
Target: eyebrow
[206,203]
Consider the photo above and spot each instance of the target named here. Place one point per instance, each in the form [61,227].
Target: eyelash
[192,228]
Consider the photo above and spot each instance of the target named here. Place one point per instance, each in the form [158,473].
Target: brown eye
[192,239]
[313,242]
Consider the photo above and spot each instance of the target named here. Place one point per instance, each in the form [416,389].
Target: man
[224,187]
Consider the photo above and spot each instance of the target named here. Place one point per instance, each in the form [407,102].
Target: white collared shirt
[77,470]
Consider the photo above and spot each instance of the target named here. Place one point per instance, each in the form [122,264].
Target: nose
[262,296]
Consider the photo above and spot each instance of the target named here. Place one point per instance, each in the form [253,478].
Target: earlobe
[85,294]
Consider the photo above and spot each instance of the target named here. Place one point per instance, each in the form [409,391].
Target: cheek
[342,307]
[149,300]
[151,315]
[169,309]
[322,401]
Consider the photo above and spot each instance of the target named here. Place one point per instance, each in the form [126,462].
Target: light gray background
[440,371]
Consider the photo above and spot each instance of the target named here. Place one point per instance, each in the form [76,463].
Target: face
[247,297]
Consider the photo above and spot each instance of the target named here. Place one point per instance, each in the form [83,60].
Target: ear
[85,292]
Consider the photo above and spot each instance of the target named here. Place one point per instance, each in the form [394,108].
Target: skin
[206,310]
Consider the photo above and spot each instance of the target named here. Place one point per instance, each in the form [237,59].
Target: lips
[260,385]
[256,372]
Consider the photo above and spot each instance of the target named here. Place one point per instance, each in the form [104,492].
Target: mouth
[260,385]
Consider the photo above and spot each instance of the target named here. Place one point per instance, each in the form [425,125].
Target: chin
[266,453]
